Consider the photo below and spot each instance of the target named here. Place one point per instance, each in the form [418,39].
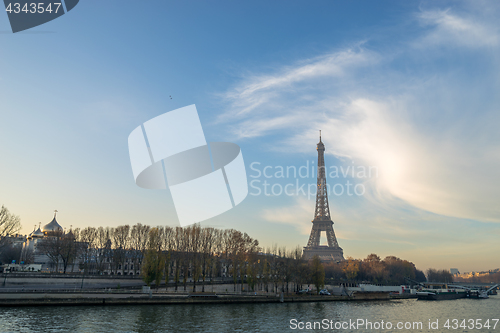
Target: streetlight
[83,274]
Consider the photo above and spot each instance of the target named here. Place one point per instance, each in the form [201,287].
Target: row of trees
[195,254]
[199,254]
[372,269]
[180,255]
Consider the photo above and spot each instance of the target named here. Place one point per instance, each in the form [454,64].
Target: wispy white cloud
[431,149]
[298,216]
[261,93]
[431,169]
[447,28]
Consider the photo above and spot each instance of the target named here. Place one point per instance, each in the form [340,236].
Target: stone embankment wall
[44,299]
[67,282]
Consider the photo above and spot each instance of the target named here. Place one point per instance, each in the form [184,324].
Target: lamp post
[83,274]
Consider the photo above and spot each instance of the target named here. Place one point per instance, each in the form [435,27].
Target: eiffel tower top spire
[322,211]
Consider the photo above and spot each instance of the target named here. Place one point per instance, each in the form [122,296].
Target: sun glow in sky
[409,88]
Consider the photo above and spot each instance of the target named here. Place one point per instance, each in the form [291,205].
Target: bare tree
[52,247]
[179,253]
[207,246]
[297,268]
[195,240]
[120,245]
[216,262]
[168,245]
[273,267]
[139,236]
[233,247]
[103,247]
[68,250]
[9,225]
[186,250]
[87,241]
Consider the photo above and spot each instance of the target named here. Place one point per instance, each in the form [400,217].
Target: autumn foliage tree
[153,264]
[389,271]
[317,273]
[351,269]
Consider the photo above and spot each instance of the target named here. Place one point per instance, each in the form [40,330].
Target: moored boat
[440,291]
[481,294]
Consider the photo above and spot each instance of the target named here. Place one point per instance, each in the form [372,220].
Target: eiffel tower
[322,220]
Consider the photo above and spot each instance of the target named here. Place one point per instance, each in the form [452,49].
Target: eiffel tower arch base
[325,253]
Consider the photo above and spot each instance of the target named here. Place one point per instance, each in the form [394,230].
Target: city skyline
[406,90]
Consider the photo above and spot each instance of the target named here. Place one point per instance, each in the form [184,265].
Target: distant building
[14,240]
[454,271]
[31,247]
[105,261]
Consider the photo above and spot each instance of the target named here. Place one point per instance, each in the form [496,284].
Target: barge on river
[440,291]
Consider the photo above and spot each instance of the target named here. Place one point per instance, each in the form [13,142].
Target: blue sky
[409,88]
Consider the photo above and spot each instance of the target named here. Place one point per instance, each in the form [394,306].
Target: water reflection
[237,317]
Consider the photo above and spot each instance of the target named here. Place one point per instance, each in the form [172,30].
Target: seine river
[279,317]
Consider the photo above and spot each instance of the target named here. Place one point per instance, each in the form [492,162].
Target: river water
[267,317]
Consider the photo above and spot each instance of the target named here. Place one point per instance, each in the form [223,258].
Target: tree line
[372,269]
[193,254]
[435,275]
[198,255]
